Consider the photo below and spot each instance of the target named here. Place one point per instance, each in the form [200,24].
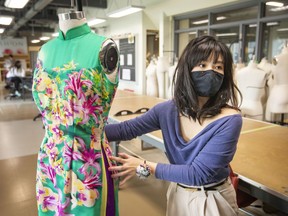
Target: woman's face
[218,66]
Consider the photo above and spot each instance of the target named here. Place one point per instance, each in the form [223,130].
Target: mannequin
[162,69]
[75,80]
[267,67]
[73,19]
[278,99]
[70,20]
[251,82]
[171,72]
[152,83]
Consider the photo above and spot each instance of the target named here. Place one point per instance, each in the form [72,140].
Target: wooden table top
[262,150]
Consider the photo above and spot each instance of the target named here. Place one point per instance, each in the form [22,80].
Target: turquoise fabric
[74,97]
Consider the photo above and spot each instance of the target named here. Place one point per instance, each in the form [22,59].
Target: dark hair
[185,97]
[17,64]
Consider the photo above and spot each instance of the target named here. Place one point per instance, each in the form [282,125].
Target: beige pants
[220,202]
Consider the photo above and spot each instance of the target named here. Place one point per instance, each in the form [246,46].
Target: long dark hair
[185,97]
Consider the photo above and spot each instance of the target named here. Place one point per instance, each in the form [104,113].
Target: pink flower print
[89,108]
[68,154]
[50,144]
[75,84]
[92,181]
[49,171]
[49,201]
[62,206]
[82,197]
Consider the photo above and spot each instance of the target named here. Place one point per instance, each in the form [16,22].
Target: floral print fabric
[71,171]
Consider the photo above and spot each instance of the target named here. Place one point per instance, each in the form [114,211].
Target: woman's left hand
[126,168]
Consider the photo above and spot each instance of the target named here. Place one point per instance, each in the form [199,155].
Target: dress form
[162,69]
[72,78]
[74,19]
[70,20]
[267,67]
[278,99]
[151,74]
[171,72]
[251,81]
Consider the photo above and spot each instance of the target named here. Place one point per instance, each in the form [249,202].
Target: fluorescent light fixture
[274,4]
[15,3]
[226,34]
[282,29]
[2,30]
[272,23]
[253,25]
[221,18]
[95,21]
[125,11]
[206,20]
[44,38]
[200,22]
[276,9]
[35,41]
[192,33]
[56,34]
[6,20]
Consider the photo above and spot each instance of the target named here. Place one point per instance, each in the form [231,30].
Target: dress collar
[75,32]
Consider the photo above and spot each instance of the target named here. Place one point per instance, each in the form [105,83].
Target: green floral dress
[74,97]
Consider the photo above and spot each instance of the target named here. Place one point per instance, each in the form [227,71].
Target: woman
[200,127]
[14,76]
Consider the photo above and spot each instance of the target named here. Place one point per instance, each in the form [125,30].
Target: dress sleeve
[130,129]
[213,158]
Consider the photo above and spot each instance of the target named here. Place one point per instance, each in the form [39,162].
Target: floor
[20,138]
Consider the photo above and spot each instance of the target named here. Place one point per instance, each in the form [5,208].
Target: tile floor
[20,138]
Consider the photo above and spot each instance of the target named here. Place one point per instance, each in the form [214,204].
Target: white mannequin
[73,19]
[278,99]
[70,20]
[267,67]
[151,74]
[162,68]
[251,81]
[171,72]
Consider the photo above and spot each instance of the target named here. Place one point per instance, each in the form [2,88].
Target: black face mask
[207,83]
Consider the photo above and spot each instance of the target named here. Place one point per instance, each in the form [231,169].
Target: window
[275,37]
[276,9]
[229,36]
[235,15]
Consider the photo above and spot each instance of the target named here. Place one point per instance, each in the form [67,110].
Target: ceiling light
[44,38]
[55,34]
[35,41]
[192,32]
[2,30]
[252,25]
[221,18]
[15,3]
[5,20]
[226,34]
[200,22]
[279,8]
[272,23]
[125,11]
[282,29]
[95,21]
[274,4]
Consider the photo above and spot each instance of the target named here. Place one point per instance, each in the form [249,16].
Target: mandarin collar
[75,32]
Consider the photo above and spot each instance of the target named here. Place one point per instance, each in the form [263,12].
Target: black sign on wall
[127,59]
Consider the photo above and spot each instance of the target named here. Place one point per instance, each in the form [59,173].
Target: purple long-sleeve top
[202,160]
